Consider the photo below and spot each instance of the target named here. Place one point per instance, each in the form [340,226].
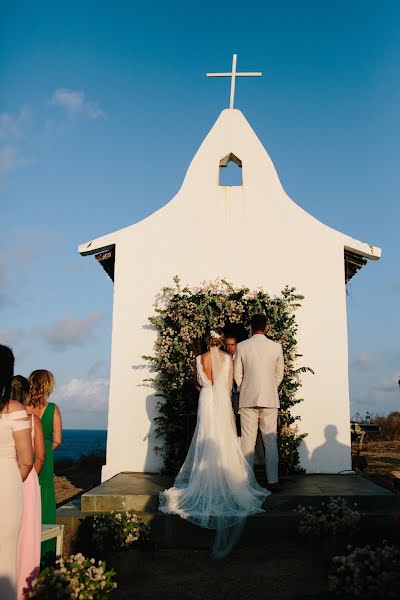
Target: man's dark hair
[230,334]
[258,322]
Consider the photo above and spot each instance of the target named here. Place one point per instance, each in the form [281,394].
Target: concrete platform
[126,491]
[139,491]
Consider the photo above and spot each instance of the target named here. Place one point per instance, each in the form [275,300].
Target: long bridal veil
[215,487]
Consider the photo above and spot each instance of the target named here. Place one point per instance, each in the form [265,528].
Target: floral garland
[183,317]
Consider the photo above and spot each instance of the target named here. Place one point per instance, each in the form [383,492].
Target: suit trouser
[266,419]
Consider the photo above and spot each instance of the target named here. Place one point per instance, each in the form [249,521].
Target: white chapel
[292,248]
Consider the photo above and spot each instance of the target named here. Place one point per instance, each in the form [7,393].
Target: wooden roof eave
[356,255]
[352,264]
[107,261]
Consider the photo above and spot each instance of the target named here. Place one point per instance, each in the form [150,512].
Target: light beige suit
[258,370]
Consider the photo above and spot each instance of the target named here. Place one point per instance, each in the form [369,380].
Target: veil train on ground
[215,487]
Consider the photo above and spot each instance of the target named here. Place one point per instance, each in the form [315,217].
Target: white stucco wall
[277,243]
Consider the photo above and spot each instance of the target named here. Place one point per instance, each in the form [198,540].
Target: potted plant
[76,577]
[120,537]
[332,522]
[332,518]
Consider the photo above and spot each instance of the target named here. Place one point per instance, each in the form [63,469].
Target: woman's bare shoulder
[14,406]
[205,358]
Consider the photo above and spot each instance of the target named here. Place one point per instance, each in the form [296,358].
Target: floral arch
[183,317]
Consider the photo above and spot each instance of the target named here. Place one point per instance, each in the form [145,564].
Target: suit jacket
[258,370]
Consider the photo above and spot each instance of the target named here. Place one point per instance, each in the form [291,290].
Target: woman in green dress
[41,384]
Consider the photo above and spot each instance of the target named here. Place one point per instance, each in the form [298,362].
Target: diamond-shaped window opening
[230,171]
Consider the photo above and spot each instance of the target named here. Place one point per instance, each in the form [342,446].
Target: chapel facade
[277,244]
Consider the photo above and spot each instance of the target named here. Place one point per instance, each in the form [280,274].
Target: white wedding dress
[215,488]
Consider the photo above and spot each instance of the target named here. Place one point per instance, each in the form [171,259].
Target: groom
[258,370]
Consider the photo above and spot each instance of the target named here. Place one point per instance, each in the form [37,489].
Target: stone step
[126,491]
[172,531]
[139,492]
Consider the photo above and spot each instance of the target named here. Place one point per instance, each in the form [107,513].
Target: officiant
[230,347]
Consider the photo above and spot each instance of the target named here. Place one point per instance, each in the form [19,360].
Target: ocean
[81,441]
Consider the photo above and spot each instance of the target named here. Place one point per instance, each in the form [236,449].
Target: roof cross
[233,76]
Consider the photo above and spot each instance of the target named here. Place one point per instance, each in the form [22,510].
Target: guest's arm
[57,429]
[39,448]
[23,446]
[238,367]
[21,431]
[279,367]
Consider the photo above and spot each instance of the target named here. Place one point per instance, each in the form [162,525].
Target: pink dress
[28,550]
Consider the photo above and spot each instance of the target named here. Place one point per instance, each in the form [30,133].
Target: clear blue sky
[100,98]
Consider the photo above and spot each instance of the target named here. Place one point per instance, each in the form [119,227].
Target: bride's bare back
[206,364]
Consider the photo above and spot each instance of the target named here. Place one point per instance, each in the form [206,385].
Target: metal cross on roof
[233,76]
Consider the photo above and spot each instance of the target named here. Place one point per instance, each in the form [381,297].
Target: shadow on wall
[153,462]
[330,457]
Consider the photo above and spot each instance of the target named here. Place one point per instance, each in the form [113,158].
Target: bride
[215,487]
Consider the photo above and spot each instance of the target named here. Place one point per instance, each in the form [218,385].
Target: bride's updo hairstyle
[214,339]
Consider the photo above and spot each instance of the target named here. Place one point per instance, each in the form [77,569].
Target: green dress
[46,480]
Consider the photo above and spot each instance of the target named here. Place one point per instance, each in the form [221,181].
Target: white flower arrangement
[118,531]
[215,335]
[75,578]
[367,573]
[330,518]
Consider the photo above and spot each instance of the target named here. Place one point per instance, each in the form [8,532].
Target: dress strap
[17,420]
[21,424]
[14,416]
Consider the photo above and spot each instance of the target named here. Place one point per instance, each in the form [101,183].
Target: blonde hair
[41,384]
[20,389]
[214,341]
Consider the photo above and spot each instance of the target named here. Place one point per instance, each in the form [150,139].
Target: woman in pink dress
[28,549]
